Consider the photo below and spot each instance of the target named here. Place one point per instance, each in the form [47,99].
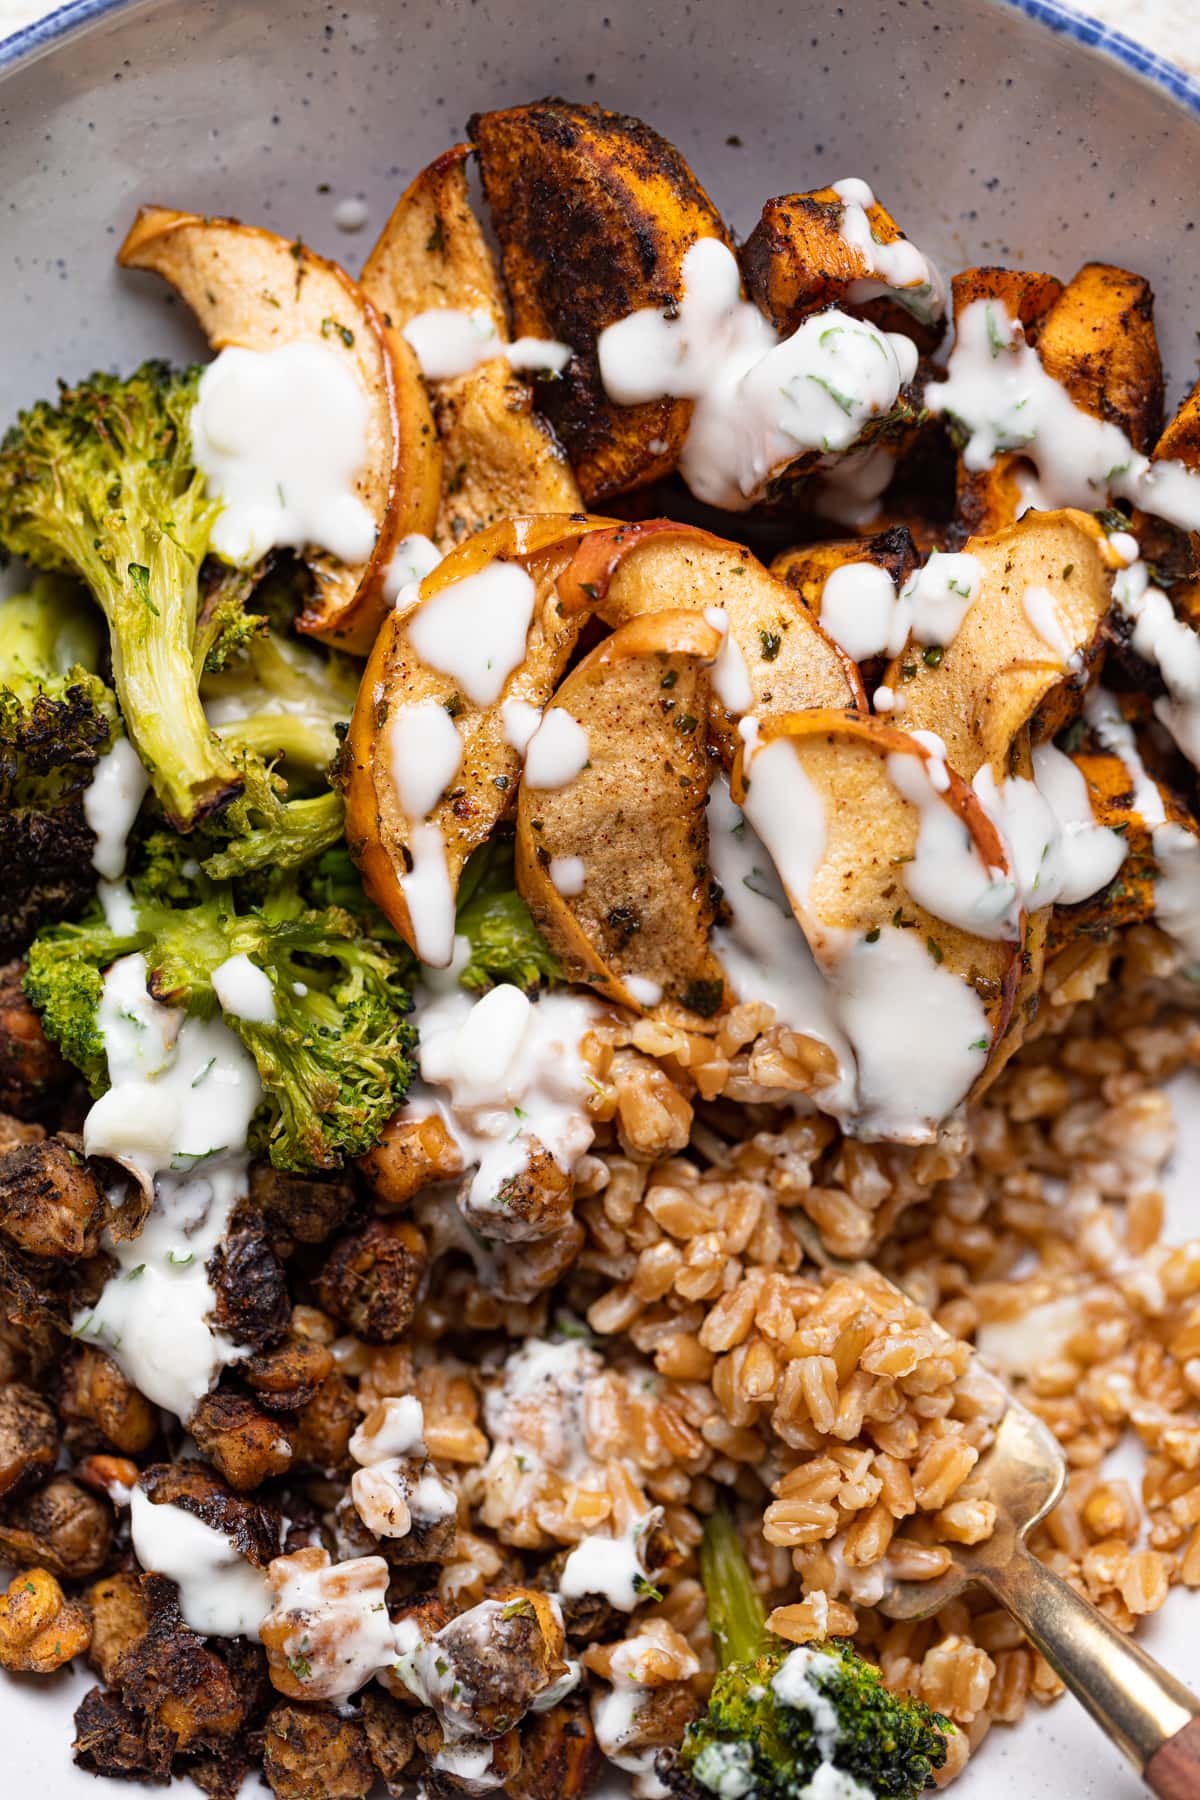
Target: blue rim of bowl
[1056,17]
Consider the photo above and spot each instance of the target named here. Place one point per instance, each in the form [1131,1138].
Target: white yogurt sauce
[424,754]
[859,611]
[518,722]
[947,874]
[396,1428]
[110,805]
[938,596]
[221,1594]
[862,1004]
[429,896]
[1176,851]
[1002,397]
[849,488]
[350,214]
[556,752]
[182,1096]
[340,1622]
[475,629]
[729,675]
[501,1073]
[795,1683]
[280,437]
[644,991]
[568,875]
[389,1490]
[902,272]
[1170,645]
[1041,609]
[244,990]
[414,557]
[451,342]
[761,402]
[1056,850]
[116,903]
[611,1566]
[787,812]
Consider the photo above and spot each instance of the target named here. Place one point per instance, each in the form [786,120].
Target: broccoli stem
[152,672]
[735,1611]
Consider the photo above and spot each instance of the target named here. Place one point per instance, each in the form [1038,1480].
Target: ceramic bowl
[998,133]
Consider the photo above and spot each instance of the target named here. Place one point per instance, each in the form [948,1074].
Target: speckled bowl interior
[992,137]
[990,129]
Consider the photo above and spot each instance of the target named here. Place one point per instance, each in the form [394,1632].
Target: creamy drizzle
[429,896]
[280,437]
[221,1594]
[110,805]
[556,752]
[424,754]
[450,342]
[503,1075]
[903,273]
[730,678]
[475,629]
[761,402]
[859,611]
[998,391]
[182,1097]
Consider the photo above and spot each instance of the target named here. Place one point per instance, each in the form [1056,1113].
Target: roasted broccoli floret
[335,1060]
[282,707]
[102,485]
[779,1712]
[263,830]
[505,943]
[57,718]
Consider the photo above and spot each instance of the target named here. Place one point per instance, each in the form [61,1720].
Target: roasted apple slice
[499,457]
[840,247]
[775,657]
[1021,655]
[450,696]
[611,838]
[594,213]
[254,290]
[900,884]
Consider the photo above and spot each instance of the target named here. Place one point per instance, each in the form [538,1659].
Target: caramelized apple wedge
[594,213]
[1022,653]
[432,252]
[253,289]
[434,754]
[775,657]
[900,885]
[612,860]
[499,457]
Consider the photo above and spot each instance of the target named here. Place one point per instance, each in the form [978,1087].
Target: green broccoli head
[262,830]
[57,718]
[778,1713]
[505,943]
[102,486]
[335,1062]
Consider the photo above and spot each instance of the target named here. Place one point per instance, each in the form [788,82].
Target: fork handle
[1149,1715]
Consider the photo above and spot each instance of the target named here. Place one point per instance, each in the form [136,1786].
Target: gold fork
[1148,1714]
